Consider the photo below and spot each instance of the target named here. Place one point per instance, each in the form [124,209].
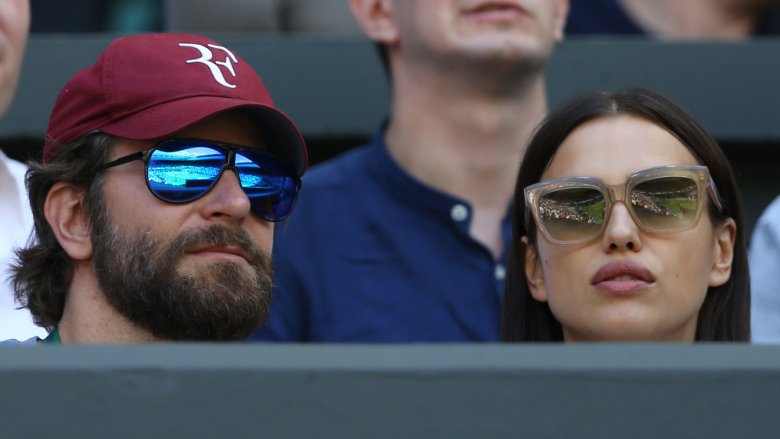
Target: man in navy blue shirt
[405,240]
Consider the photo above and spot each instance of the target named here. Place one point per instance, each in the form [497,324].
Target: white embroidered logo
[214,66]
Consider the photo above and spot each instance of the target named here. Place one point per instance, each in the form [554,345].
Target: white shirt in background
[765,276]
[15,226]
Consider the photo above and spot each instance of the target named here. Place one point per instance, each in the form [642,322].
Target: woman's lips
[622,277]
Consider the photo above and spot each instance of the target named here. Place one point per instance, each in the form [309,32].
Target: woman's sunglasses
[660,200]
[183,170]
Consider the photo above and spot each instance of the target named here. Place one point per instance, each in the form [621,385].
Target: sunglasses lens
[179,175]
[180,172]
[572,214]
[269,183]
[666,204]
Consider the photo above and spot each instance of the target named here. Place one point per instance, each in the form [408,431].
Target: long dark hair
[42,271]
[725,313]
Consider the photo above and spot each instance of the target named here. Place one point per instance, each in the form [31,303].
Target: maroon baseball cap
[148,86]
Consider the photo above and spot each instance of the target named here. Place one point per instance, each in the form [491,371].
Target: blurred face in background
[14,25]
[749,6]
[506,30]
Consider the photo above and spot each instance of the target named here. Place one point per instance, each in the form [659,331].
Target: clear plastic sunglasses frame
[535,193]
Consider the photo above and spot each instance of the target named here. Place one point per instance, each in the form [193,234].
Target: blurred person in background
[15,217]
[405,239]
[322,17]
[765,275]
[675,19]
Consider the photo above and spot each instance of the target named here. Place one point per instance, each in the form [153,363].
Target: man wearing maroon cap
[165,167]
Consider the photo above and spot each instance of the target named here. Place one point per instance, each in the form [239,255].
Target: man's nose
[226,199]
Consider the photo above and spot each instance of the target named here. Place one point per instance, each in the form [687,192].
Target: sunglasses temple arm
[123,160]
[713,190]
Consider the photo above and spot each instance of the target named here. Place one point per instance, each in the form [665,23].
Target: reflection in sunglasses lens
[184,174]
[572,214]
[666,203]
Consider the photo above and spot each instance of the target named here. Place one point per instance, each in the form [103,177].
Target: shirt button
[500,272]
[459,212]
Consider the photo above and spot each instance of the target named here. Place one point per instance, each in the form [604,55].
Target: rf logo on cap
[206,56]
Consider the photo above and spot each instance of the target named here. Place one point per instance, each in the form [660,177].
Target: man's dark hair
[42,271]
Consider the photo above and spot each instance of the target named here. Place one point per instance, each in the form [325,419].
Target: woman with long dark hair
[627,227]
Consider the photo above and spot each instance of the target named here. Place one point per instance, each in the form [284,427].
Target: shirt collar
[410,190]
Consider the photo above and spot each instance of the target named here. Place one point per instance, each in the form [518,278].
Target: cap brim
[162,120]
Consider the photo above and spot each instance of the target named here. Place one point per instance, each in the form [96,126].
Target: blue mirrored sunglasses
[183,170]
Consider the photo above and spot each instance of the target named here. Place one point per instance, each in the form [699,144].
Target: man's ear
[533,272]
[69,220]
[561,14]
[723,253]
[376,19]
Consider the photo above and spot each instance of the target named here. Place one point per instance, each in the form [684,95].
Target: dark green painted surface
[425,391]
[335,86]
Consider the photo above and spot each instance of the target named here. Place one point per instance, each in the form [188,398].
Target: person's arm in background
[765,276]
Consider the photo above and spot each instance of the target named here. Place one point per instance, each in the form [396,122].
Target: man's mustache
[216,235]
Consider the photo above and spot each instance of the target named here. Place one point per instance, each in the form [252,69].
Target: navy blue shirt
[607,17]
[370,254]
[600,17]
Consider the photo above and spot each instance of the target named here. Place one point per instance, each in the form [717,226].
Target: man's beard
[139,275]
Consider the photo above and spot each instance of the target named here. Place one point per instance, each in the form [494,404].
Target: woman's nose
[621,232]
